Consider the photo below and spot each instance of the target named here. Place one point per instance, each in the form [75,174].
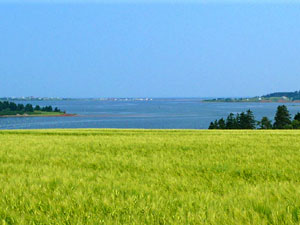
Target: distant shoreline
[263,101]
[36,115]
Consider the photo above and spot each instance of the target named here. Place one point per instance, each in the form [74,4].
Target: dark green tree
[13,106]
[250,120]
[216,124]
[265,123]
[243,121]
[238,121]
[28,108]
[282,118]
[231,122]
[296,124]
[297,116]
[20,107]
[221,124]
[47,108]
[37,108]
[5,105]
[211,126]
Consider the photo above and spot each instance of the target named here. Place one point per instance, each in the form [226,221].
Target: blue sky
[149,50]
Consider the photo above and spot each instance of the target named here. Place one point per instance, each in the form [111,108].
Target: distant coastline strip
[36,115]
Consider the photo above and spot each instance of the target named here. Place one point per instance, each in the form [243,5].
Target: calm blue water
[162,114]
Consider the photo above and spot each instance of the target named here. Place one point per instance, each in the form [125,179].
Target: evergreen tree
[20,107]
[12,106]
[231,122]
[47,108]
[243,121]
[296,124]
[28,108]
[265,123]
[297,116]
[282,118]
[5,105]
[211,126]
[216,124]
[250,120]
[238,121]
[221,124]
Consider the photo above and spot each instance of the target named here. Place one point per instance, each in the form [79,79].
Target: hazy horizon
[133,97]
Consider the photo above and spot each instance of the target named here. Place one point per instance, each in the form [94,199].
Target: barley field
[109,176]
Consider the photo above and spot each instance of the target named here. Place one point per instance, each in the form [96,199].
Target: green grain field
[149,177]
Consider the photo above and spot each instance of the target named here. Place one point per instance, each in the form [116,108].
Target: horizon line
[284,2]
[174,97]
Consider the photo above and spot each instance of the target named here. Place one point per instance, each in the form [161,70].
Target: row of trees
[11,106]
[291,95]
[246,120]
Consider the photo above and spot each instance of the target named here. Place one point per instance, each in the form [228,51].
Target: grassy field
[35,113]
[149,177]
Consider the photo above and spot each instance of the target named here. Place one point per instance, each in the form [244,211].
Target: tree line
[21,108]
[246,120]
[291,95]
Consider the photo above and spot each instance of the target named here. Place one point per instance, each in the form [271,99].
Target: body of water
[160,114]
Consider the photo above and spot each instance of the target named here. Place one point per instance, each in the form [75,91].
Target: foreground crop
[149,177]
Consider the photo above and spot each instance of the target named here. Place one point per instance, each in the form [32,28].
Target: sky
[148,48]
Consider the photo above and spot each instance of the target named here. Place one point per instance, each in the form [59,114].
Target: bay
[155,114]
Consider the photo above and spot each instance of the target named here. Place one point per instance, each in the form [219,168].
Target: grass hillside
[35,113]
[149,177]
